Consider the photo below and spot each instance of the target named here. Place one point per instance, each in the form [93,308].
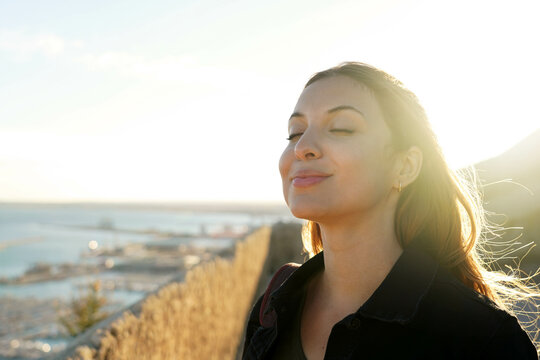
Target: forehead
[336,91]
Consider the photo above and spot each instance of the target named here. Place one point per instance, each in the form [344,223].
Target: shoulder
[510,341]
[454,311]
[258,316]
[450,302]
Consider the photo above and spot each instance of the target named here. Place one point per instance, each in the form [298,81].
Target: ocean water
[56,234]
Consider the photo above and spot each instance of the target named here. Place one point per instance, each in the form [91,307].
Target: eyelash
[292,136]
[347,131]
[342,130]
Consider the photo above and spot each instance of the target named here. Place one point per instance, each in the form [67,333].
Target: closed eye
[346,131]
[293,136]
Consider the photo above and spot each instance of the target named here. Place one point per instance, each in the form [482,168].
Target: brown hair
[439,210]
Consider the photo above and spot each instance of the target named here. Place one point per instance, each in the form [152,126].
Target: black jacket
[420,311]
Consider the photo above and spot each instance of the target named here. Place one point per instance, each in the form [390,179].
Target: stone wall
[202,317]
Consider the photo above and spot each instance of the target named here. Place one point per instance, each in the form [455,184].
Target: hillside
[511,185]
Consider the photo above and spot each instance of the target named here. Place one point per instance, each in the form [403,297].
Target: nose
[307,147]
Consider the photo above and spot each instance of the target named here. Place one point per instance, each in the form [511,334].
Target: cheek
[367,170]
[285,162]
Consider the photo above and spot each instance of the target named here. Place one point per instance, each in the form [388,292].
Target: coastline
[130,252]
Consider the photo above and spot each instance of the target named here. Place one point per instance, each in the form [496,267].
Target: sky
[189,100]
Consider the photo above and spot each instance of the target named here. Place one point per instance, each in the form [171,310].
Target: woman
[399,277]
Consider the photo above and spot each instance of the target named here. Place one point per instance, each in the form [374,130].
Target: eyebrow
[345,107]
[332,110]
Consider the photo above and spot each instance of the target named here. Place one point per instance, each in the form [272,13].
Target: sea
[55,234]
[61,233]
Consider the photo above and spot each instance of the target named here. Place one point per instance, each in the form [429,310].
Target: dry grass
[201,318]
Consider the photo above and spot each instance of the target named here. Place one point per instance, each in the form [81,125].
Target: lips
[306,178]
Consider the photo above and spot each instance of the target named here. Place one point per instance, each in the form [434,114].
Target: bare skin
[353,271]
[337,172]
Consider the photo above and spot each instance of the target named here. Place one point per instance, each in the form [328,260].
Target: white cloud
[22,45]
[184,69]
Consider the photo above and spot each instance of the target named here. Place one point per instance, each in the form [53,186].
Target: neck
[358,254]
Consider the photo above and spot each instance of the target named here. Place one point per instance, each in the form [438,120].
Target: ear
[409,167]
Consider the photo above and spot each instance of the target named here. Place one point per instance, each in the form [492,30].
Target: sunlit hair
[440,211]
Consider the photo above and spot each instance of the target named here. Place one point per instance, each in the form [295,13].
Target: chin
[306,211]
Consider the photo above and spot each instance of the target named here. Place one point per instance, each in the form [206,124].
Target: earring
[399,188]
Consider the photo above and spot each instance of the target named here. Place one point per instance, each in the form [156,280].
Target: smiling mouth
[303,182]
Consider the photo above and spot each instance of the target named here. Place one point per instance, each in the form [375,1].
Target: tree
[85,311]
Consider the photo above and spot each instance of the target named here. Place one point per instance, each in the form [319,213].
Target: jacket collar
[397,298]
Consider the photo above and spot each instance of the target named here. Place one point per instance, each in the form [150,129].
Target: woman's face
[338,162]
